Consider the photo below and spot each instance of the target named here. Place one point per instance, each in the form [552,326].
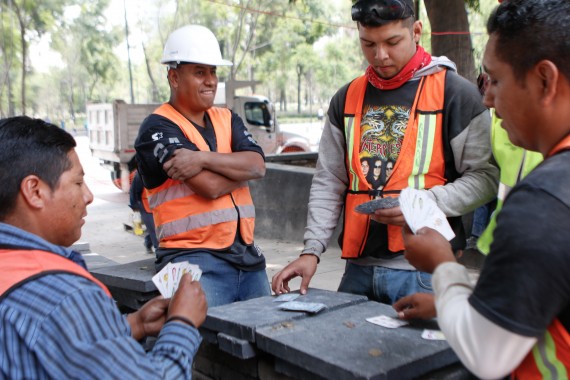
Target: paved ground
[104,234]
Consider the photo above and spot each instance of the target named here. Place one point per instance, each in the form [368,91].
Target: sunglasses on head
[378,12]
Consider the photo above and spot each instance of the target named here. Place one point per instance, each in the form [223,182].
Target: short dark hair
[373,13]
[30,146]
[528,31]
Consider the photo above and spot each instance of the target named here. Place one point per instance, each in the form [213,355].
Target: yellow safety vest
[514,163]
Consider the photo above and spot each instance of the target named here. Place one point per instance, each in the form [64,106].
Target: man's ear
[34,191]
[173,78]
[548,75]
[417,31]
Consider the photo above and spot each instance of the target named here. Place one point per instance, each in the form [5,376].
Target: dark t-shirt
[385,116]
[525,281]
[158,138]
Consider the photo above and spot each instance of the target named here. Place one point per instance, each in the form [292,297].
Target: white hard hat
[193,44]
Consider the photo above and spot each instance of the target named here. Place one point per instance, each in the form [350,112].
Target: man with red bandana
[409,109]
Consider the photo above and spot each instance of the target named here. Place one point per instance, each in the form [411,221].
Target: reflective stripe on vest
[183,218]
[514,163]
[16,266]
[550,356]
[420,164]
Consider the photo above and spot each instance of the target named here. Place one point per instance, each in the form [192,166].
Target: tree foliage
[298,52]
[33,20]
[84,46]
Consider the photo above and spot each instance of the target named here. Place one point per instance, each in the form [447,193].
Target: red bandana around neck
[419,60]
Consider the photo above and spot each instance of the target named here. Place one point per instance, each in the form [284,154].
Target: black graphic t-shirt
[385,116]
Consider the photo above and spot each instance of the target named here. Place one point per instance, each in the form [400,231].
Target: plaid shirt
[63,326]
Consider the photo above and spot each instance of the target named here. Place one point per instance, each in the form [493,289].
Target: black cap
[380,12]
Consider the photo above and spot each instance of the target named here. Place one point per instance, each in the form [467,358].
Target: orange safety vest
[183,218]
[17,266]
[420,165]
[550,357]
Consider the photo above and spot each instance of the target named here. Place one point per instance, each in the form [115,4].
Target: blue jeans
[223,283]
[150,240]
[382,284]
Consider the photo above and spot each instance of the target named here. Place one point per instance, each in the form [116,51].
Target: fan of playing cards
[421,211]
[168,279]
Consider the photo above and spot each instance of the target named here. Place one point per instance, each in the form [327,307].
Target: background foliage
[300,52]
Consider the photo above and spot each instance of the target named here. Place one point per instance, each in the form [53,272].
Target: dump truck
[113,128]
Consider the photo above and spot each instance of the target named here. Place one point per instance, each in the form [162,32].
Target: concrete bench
[257,340]
[130,284]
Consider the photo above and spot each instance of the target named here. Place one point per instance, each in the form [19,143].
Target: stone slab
[343,345]
[130,300]
[241,319]
[96,261]
[236,347]
[135,276]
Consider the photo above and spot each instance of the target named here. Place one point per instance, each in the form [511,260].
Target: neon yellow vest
[514,164]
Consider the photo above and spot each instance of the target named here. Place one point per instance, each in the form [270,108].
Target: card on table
[309,307]
[386,321]
[433,335]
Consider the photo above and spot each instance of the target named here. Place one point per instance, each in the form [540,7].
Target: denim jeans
[150,240]
[382,284]
[223,283]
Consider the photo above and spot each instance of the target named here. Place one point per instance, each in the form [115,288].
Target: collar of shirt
[14,237]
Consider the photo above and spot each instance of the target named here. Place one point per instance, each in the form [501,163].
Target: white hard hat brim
[221,62]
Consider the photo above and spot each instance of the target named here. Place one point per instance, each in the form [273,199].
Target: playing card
[286,297]
[433,335]
[168,279]
[158,282]
[376,204]
[385,321]
[420,211]
[309,307]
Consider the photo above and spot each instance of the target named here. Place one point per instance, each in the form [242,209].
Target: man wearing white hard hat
[195,161]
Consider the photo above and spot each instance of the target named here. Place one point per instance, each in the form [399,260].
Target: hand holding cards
[168,279]
[376,204]
[420,211]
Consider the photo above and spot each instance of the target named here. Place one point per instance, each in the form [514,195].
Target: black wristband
[181,319]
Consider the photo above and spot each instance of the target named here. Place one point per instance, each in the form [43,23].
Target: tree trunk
[450,34]
[152,81]
[300,71]
[282,100]
[24,58]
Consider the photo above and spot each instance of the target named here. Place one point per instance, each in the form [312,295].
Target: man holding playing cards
[516,318]
[195,161]
[414,111]
[57,321]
